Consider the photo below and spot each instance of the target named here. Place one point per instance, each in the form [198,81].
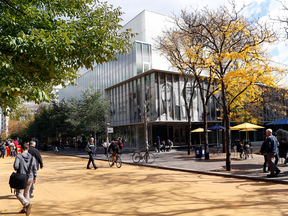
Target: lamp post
[106,126]
[145,126]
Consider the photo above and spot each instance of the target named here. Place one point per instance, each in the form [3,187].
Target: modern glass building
[143,75]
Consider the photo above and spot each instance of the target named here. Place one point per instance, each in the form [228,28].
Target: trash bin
[199,152]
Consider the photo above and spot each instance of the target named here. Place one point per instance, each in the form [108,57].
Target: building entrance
[161,131]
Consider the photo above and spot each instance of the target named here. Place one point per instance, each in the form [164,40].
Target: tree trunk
[190,128]
[95,141]
[205,132]
[228,144]
[227,125]
[223,136]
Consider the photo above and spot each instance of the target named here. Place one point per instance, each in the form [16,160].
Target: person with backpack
[90,148]
[22,163]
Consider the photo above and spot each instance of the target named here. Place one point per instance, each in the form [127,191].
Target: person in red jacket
[16,146]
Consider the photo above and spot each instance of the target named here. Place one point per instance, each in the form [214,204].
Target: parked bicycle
[117,160]
[140,155]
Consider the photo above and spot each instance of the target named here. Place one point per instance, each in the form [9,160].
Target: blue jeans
[12,153]
[3,153]
[91,159]
[276,159]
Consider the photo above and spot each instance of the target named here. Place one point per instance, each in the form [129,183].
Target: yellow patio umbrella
[246,127]
[199,130]
[248,130]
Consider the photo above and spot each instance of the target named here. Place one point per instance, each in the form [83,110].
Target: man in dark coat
[271,150]
[36,154]
[90,148]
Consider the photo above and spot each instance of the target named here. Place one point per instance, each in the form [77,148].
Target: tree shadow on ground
[7,197]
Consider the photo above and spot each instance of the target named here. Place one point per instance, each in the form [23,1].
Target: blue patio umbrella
[217,127]
[280,122]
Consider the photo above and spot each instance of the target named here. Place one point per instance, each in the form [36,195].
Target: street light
[145,126]
[106,125]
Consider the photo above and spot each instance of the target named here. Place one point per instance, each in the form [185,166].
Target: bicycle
[147,157]
[117,160]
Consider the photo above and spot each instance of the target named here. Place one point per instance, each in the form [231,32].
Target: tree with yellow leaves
[235,46]
[230,51]
[187,55]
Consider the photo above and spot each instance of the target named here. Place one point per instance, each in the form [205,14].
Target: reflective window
[147,95]
[177,97]
[139,100]
[139,58]
[163,104]
[169,97]
[131,103]
[135,108]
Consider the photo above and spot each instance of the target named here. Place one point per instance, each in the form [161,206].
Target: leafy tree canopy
[44,43]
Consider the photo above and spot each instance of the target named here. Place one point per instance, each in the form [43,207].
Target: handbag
[19,180]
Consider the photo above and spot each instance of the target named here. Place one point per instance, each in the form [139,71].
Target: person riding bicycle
[114,146]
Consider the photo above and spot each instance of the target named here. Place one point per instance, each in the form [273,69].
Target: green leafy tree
[89,112]
[44,44]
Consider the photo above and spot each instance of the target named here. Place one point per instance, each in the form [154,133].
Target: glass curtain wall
[103,76]
[164,94]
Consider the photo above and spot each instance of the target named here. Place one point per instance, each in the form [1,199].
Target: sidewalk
[251,168]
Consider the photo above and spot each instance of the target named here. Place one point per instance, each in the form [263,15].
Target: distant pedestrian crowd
[9,148]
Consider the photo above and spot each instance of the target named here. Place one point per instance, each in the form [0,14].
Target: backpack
[18,180]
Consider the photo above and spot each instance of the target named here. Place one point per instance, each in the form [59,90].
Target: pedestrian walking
[21,165]
[106,146]
[36,154]
[16,146]
[7,150]
[2,150]
[90,148]
[271,149]
[277,155]
[12,149]
[263,152]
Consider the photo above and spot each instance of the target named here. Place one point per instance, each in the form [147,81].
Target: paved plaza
[251,168]
[66,187]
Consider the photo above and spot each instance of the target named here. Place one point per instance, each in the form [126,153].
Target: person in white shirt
[106,146]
